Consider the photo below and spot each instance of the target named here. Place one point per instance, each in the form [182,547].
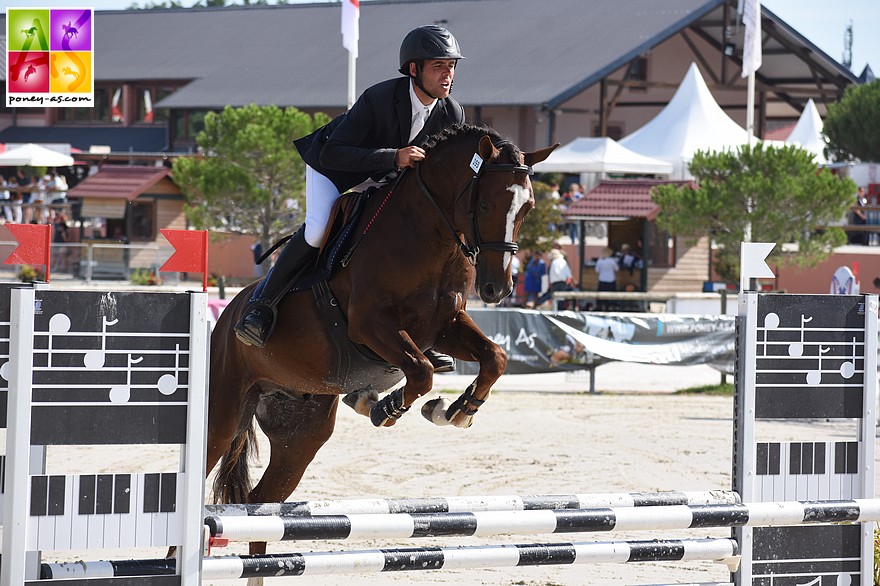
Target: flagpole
[351,78]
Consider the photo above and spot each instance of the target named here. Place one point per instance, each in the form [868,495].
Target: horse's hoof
[435,411]
[361,401]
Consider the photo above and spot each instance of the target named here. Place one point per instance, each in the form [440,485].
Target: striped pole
[413,525]
[427,558]
[458,504]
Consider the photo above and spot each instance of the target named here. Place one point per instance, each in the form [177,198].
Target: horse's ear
[487,150]
[538,156]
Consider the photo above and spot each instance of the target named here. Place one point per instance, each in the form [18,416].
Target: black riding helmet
[427,42]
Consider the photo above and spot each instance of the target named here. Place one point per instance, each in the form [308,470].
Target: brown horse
[421,245]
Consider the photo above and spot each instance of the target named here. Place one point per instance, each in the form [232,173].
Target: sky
[821,21]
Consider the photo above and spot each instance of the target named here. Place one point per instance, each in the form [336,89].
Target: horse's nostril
[489,290]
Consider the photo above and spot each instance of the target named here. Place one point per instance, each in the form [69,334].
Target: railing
[637,301]
[96,261]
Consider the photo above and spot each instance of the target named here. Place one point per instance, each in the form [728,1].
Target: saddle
[358,368]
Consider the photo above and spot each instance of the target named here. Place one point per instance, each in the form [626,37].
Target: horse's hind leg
[297,426]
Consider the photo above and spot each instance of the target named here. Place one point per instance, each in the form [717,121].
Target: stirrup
[441,362]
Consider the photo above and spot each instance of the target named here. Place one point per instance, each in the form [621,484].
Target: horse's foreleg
[465,341]
[398,349]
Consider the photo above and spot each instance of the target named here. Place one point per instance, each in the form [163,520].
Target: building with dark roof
[539,72]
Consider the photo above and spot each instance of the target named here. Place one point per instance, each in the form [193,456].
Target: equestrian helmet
[427,42]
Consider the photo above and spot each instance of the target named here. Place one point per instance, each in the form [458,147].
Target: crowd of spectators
[34,199]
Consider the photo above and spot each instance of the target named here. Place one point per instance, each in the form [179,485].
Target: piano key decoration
[805,357]
[91,368]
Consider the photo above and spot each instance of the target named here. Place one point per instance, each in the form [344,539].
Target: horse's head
[492,196]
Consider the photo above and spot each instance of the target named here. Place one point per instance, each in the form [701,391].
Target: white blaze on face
[520,197]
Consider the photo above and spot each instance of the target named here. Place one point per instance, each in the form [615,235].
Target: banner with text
[538,341]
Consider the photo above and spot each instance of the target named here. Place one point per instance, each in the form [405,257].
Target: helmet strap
[417,79]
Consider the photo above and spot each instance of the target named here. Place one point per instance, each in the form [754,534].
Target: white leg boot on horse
[256,325]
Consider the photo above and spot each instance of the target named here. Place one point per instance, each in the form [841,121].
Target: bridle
[471,252]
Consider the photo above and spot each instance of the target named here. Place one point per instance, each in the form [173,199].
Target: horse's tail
[233,481]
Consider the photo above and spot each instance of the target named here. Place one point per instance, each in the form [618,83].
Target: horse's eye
[484,206]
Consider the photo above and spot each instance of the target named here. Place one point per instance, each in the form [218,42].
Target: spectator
[535,271]
[514,277]
[607,268]
[628,260]
[5,197]
[859,218]
[559,274]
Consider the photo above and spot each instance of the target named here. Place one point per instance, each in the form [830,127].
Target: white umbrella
[600,155]
[33,155]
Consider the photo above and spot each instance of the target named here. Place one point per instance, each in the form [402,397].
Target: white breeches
[321,194]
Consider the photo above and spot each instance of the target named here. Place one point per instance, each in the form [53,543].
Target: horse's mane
[466,130]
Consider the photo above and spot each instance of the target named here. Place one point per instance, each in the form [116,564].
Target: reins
[478,166]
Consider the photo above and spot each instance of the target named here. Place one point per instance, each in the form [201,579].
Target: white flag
[752,43]
[351,12]
[753,262]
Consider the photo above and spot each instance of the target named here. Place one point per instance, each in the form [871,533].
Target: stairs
[690,271]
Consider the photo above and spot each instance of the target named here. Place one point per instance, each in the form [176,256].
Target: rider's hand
[408,156]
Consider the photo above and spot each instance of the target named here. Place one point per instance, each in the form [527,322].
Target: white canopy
[692,121]
[600,155]
[33,155]
[807,133]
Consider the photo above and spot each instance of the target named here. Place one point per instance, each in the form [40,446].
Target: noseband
[472,251]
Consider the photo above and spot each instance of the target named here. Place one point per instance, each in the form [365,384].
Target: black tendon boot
[256,325]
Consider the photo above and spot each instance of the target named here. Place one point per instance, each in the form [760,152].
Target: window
[142,217]
[638,72]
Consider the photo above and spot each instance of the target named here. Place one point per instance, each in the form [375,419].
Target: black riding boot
[256,325]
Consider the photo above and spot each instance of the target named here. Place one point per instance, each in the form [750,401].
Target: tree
[249,178]
[536,232]
[779,193]
[851,124]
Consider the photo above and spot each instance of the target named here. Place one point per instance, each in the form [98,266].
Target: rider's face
[437,77]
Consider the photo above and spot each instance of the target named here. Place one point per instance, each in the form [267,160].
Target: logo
[49,57]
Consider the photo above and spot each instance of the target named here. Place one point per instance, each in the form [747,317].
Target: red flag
[34,245]
[190,252]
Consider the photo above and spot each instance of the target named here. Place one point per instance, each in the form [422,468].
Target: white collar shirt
[420,112]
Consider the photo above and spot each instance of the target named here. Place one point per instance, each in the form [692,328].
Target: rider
[384,131]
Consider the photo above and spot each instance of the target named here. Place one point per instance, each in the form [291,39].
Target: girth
[358,368]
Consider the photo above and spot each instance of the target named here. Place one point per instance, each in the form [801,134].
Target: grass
[719,389]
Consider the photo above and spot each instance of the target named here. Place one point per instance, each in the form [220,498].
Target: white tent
[601,155]
[34,155]
[692,121]
[807,133]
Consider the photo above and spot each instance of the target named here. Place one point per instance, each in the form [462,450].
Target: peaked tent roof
[292,54]
[691,121]
[600,155]
[807,132]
